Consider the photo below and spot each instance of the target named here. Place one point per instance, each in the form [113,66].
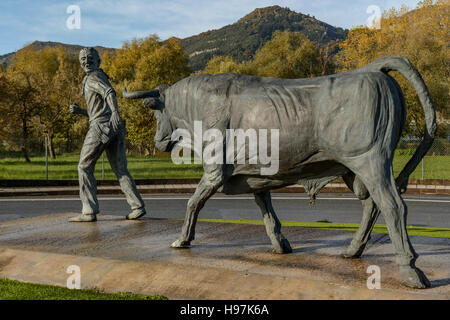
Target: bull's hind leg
[210,182]
[370,216]
[362,235]
[273,226]
[378,177]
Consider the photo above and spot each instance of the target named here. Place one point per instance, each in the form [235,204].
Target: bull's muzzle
[154,103]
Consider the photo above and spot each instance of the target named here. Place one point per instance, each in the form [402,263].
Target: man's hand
[115,121]
[75,109]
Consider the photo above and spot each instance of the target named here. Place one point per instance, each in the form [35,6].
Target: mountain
[73,49]
[241,39]
[6,58]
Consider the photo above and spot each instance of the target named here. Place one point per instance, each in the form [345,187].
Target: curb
[190,188]
[23,183]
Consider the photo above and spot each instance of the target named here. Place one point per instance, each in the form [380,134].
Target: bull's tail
[402,65]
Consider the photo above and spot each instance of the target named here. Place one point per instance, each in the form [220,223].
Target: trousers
[93,147]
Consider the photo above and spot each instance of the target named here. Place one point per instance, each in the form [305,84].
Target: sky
[109,23]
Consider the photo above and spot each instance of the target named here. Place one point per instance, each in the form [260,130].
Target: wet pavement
[225,261]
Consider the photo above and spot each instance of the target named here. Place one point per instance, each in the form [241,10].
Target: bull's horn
[140,94]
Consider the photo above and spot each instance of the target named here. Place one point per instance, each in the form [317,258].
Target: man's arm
[75,109]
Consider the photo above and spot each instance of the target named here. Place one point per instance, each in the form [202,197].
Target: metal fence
[13,164]
[435,165]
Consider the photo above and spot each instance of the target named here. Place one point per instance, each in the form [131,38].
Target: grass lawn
[379,228]
[15,290]
[64,167]
[435,167]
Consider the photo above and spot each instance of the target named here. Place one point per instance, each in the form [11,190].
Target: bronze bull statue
[342,125]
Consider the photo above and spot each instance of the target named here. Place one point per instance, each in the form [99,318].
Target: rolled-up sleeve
[100,86]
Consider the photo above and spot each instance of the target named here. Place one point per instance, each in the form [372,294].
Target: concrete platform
[226,261]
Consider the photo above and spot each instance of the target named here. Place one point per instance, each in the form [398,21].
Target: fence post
[46,158]
[423,169]
[103,166]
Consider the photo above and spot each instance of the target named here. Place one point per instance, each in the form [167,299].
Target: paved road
[431,211]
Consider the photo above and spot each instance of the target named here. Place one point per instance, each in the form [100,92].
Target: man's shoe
[84,218]
[136,214]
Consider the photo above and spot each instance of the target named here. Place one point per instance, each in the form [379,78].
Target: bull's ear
[154,103]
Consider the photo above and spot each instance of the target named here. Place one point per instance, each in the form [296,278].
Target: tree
[421,36]
[59,79]
[4,100]
[143,64]
[222,64]
[40,84]
[287,55]
[20,106]
[3,85]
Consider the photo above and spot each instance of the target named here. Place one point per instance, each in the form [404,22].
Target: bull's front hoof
[282,247]
[414,277]
[179,244]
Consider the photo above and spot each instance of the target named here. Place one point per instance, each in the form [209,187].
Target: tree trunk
[25,140]
[25,154]
[51,148]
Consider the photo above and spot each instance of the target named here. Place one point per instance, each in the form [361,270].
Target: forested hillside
[242,39]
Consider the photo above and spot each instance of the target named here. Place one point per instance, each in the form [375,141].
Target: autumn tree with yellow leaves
[421,35]
[40,84]
[287,55]
[143,64]
[37,87]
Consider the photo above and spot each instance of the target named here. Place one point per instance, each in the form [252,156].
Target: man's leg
[117,157]
[91,151]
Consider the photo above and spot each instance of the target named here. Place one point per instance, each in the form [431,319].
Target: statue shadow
[230,245]
[122,218]
[440,283]
[318,244]
[309,249]
[381,255]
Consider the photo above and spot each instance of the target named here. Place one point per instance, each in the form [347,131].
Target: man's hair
[91,50]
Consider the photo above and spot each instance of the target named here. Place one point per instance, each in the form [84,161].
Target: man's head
[89,59]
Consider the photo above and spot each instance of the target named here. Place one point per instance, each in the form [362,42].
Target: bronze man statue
[106,132]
